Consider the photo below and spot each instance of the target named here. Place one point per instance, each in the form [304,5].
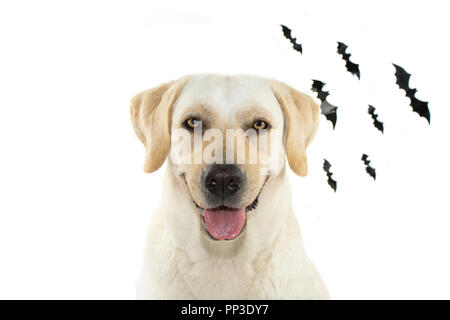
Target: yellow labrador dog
[225,228]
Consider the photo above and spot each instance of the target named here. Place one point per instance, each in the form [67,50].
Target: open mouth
[224,223]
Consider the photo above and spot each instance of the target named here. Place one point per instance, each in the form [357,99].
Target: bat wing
[401,77]
[329,111]
[371,172]
[342,47]
[402,80]
[421,108]
[317,87]
[332,183]
[353,68]
[378,125]
[297,47]
[286,32]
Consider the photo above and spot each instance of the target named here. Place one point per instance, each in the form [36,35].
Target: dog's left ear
[150,114]
[302,115]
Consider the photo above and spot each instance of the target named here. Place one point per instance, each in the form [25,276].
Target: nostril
[234,184]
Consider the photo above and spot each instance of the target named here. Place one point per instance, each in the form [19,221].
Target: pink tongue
[224,224]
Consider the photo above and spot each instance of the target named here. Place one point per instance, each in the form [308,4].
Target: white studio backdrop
[75,203]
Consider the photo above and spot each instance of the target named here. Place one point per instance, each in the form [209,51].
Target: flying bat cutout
[287,34]
[326,167]
[402,79]
[370,170]
[353,68]
[378,124]
[327,109]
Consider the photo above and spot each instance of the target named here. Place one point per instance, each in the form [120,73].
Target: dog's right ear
[151,112]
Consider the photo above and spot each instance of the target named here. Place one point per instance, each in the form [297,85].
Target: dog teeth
[252,206]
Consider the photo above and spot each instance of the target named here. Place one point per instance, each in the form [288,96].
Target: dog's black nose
[223,180]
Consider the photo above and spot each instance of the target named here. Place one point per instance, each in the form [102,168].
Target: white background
[75,203]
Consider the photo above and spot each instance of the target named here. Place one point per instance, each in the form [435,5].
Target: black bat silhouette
[353,68]
[327,109]
[326,167]
[402,79]
[378,124]
[287,34]
[370,170]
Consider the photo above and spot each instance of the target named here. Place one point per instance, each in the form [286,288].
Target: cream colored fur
[268,260]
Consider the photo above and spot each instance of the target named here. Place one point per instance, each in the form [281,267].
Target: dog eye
[191,123]
[260,125]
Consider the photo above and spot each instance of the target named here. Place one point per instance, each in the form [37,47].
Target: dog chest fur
[190,268]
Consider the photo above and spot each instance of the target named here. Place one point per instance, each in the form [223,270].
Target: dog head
[225,137]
